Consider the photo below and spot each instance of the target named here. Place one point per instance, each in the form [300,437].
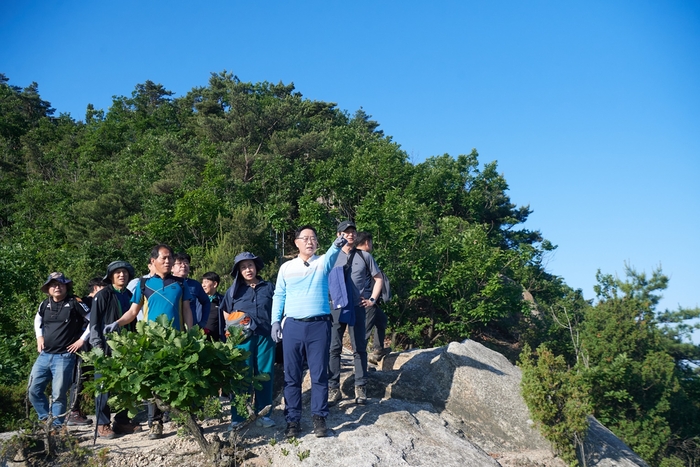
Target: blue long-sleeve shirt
[302,291]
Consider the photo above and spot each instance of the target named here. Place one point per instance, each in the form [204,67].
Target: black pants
[376,318]
[77,386]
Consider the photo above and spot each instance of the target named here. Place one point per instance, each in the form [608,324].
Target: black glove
[340,242]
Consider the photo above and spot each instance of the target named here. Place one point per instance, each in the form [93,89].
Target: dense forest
[235,166]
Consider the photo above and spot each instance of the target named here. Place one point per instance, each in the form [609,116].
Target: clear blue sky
[592,109]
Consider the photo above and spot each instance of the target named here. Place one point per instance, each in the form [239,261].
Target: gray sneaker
[360,395]
[334,396]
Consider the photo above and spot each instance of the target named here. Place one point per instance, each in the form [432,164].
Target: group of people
[296,308]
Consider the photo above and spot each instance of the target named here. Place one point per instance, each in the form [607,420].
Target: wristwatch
[371,299]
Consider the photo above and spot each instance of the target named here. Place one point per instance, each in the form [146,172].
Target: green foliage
[12,409]
[636,379]
[558,399]
[14,359]
[178,369]
[635,375]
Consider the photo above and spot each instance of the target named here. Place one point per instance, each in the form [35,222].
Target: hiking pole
[97,415]
[100,397]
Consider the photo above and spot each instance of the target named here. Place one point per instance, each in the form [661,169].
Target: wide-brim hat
[246,255]
[55,276]
[114,265]
[345,225]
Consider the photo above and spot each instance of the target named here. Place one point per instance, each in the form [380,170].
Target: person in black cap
[58,326]
[252,295]
[108,305]
[364,286]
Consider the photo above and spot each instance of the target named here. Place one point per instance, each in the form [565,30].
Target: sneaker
[156,431]
[126,428]
[293,430]
[104,431]
[234,426]
[77,419]
[334,396]
[320,429]
[265,422]
[360,395]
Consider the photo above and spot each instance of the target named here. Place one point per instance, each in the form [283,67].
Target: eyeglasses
[307,239]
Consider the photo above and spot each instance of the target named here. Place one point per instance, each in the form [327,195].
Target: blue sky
[592,109]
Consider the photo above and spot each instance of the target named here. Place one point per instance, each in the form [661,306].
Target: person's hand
[340,242]
[40,344]
[276,332]
[111,327]
[75,346]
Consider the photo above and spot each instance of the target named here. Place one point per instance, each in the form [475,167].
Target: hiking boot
[320,429]
[77,419]
[334,396]
[104,431]
[156,431]
[126,428]
[265,422]
[376,355]
[360,395]
[293,430]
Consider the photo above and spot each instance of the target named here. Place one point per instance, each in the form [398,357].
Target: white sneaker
[234,426]
[265,422]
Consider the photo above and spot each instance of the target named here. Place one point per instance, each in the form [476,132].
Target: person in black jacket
[108,305]
[251,294]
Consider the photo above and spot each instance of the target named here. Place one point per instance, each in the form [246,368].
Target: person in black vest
[109,305]
[58,326]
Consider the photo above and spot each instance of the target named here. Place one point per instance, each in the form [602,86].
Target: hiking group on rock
[315,300]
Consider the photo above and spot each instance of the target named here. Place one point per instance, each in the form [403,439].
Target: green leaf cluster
[180,369]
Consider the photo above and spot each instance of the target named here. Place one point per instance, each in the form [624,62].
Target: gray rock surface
[458,405]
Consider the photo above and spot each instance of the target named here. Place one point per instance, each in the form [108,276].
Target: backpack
[74,316]
[386,287]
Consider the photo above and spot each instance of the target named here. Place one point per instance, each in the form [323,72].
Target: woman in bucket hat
[252,295]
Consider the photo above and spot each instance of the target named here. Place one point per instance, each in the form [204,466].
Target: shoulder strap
[43,306]
[142,286]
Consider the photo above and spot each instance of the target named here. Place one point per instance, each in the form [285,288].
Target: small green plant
[285,452]
[303,454]
[100,458]
[294,442]
[175,369]
[273,441]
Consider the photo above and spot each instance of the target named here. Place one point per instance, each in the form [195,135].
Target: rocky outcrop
[458,405]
